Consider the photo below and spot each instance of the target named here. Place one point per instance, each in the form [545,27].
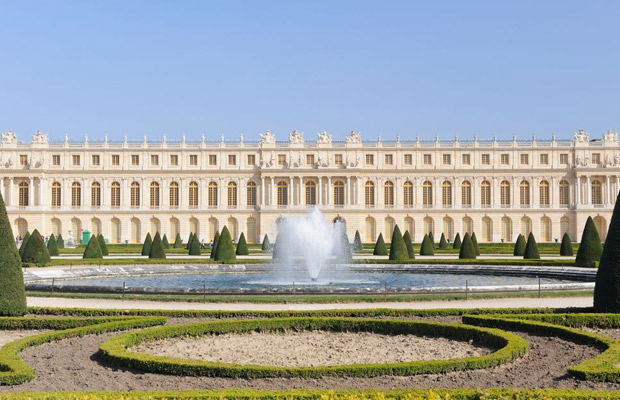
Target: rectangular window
[564,159]
[389,159]
[338,160]
[232,160]
[544,159]
[525,159]
[212,159]
[309,159]
[486,159]
[76,160]
[23,160]
[281,159]
[428,160]
[193,160]
[135,159]
[408,159]
[154,160]
[505,159]
[96,160]
[116,160]
[56,160]
[466,159]
[174,160]
[596,158]
[370,159]
[447,159]
[251,160]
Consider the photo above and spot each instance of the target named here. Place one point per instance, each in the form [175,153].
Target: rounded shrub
[216,242]
[12,293]
[178,242]
[164,242]
[52,246]
[242,246]
[398,249]
[380,247]
[457,241]
[102,245]
[225,249]
[60,242]
[467,251]
[443,243]
[409,245]
[157,248]
[36,250]
[590,248]
[474,240]
[519,249]
[194,249]
[427,248]
[566,248]
[357,241]
[607,287]
[266,246]
[92,250]
[531,249]
[146,246]
[24,244]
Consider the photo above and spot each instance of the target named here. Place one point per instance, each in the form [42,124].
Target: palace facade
[495,188]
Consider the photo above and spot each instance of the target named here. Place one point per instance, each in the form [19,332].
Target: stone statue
[323,138]
[578,161]
[616,159]
[9,138]
[296,138]
[358,159]
[610,136]
[267,138]
[607,160]
[39,138]
[581,136]
[354,138]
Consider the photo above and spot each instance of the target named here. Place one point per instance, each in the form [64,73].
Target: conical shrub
[146,246]
[178,242]
[242,246]
[519,249]
[24,244]
[189,240]
[266,246]
[531,249]
[225,249]
[216,242]
[164,242]
[52,246]
[443,243]
[398,249]
[102,245]
[474,240]
[427,248]
[590,248]
[12,293]
[380,247]
[607,286]
[357,242]
[457,241]
[36,250]
[431,237]
[194,249]
[277,253]
[157,248]
[566,248]
[345,252]
[409,245]
[467,251]
[60,242]
[92,250]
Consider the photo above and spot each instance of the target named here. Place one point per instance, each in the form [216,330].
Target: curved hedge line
[13,370]
[115,350]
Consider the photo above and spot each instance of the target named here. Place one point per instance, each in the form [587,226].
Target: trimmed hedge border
[14,371]
[115,351]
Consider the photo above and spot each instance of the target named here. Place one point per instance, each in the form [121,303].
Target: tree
[60,242]
[427,248]
[92,250]
[443,244]
[531,249]
[36,250]
[431,237]
[194,249]
[266,246]
[276,253]
[12,292]
[474,240]
[357,241]
[52,246]
[225,249]
[242,246]
[216,242]
[102,245]
[590,248]
[566,249]
[380,247]
[189,241]
[24,244]
[146,246]
[178,242]
[519,246]
[607,286]
[157,248]
[467,251]
[164,242]
[343,250]
[457,241]
[409,245]
[398,250]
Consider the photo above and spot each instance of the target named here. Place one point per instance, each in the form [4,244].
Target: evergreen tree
[467,251]
[531,249]
[12,293]
[519,246]
[178,242]
[189,241]
[225,249]
[157,248]
[380,247]
[276,253]
[357,242]
[398,249]
[242,246]
[427,248]
[102,245]
[24,244]
[60,242]
[443,244]
[216,242]
[146,246]
[590,248]
[607,286]
[194,249]
[266,246]
[566,249]
[474,240]
[409,245]
[36,250]
[92,250]
[343,249]
[431,237]
[164,242]
[457,241]
[52,246]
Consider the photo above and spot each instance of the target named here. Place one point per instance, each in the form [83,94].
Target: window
[174,195]
[154,194]
[505,159]
[251,224]
[486,159]
[564,159]
[154,160]
[281,159]
[338,160]
[446,194]
[135,160]
[370,159]
[232,160]
[564,193]
[524,193]
[596,158]
[466,193]
[369,194]
[23,194]
[212,159]
[116,160]
[76,194]
[282,193]
[388,194]
[309,159]
[428,160]
[485,194]
[95,194]
[339,193]
[212,195]
[447,159]
[408,194]
[56,194]
[544,193]
[76,160]
[487,229]
[174,160]
[597,192]
[115,194]
[193,160]
[251,194]
[427,194]
[56,160]
[389,159]
[135,194]
[504,191]
[232,194]
[310,193]
[466,159]
[95,160]
[193,194]
[23,160]
[408,159]
[544,159]
[525,159]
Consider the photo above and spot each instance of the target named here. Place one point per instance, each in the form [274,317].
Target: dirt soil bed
[7,336]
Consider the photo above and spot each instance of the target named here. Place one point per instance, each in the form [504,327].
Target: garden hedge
[52,246]
[467,251]
[178,242]
[519,246]
[474,240]
[24,244]
[225,250]
[194,246]
[146,246]
[157,248]
[36,250]
[398,249]
[216,242]
[380,247]
[566,248]
[12,294]
[242,246]
[607,288]
[531,249]
[409,245]
[60,241]
[427,248]
[102,245]
[92,250]
[457,241]
[443,243]
[590,247]
[164,242]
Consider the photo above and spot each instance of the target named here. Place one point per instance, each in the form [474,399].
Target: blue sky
[381,67]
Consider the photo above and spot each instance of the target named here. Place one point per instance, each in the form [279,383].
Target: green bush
[276,253]
[225,249]
[590,248]
[343,250]
[157,248]
[178,242]
[266,246]
[380,247]
[531,249]
[24,244]
[443,243]
[409,245]
[52,246]
[427,248]
[398,249]
[60,242]
[164,242]
[519,246]
[216,242]
[188,245]
[146,246]
[194,249]
[431,237]
[467,251]
[607,286]
[36,250]
[12,294]
[92,250]
[474,240]
[457,241]
[242,246]
[102,245]
[566,248]
[357,242]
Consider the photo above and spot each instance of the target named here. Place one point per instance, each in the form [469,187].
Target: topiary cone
[431,237]
[178,242]
[357,241]
[380,247]
[92,250]
[457,241]
[398,250]
[194,249]
[146,246]
[24,244]
[12,292]
[216,242]
[60,242]
[164,242]
[52,246]
[102,245]
[443,243]
[590,248]
[531,249]
[189,240]
[607,286]
[266,246]
[467,251]
[427,248]
[157,248]
[225,249]
[36,250]
[519,249]
[474,240]
[409,245]
[242,246]
[566,248]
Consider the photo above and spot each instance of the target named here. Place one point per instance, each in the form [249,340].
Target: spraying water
[311,241]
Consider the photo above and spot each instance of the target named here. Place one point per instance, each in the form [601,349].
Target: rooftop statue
[354,138]
[581,136]
[296,138]
[324,138]
[610,136]
[39,138]
[267,138]
[9,138]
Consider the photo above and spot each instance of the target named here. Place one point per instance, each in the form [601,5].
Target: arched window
[282,193]
[446,194]
[194,226]
[564,225]
[544,193]
[233,228]
[214,226]
[174,196]
[23,194]
[339,193]
[154,194]
[95,194]
[232,195]
[174,228]
[601,227]
[526,226]
[524,193]
[466,193]
[155,226]
[485,194]
[369,194]
[115,230]
[564,193]
[487,229]
[468,226]
[76,194]
[251,228]
[427,194]
[56,227]
[115,195]
[429,226]
[448,228]
[504,193]
[597,192]
[409,226]
[545,229]
[135,195]
[310,193]
[507,229]
[388,229]
[136,236]
[251,194]
[370,229]
[408,194]
[56,195]
[388,194]
[211,195]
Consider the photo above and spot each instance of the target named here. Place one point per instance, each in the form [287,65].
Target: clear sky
[379,67]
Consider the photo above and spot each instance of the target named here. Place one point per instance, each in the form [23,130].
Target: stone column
[347,192]
[329,201]
[290,191]
[10,202]
[608,190]
[273,201]
[359,190]
[320,191]
[42,189]
[31,192]
[262,202]
[578,190]
[588,191]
